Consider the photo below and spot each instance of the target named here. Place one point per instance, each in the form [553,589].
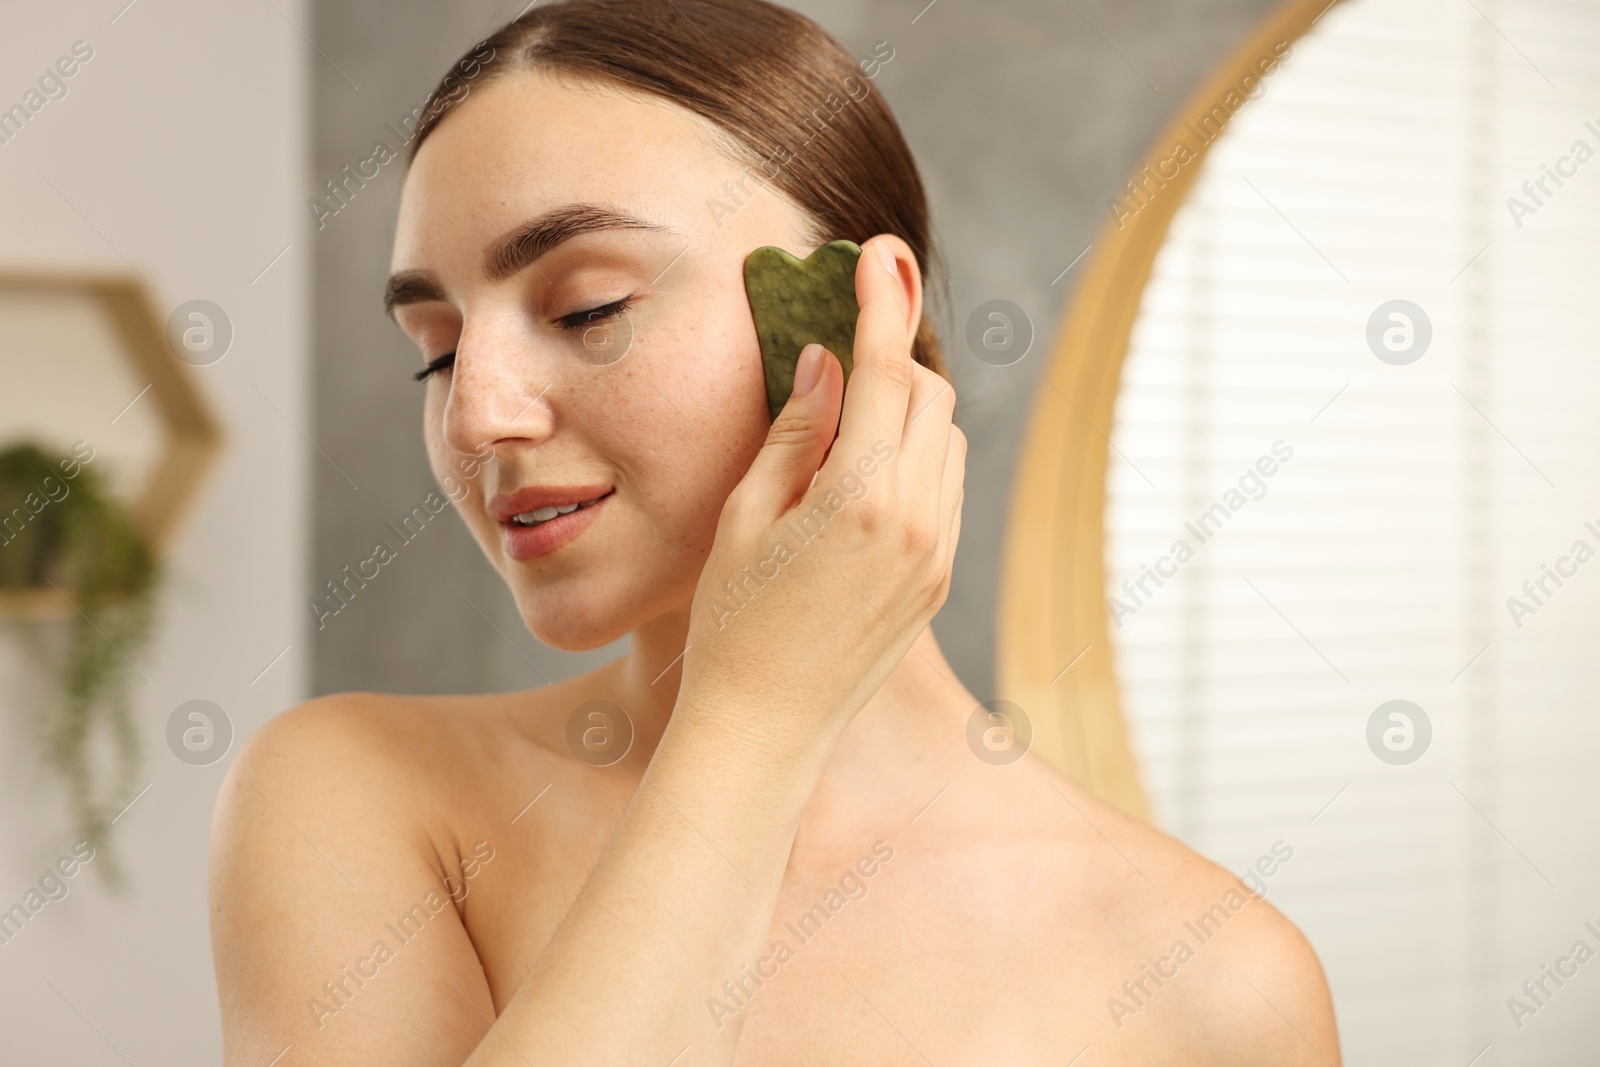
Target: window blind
[1390,159]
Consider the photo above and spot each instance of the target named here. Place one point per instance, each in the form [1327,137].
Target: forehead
[523,143]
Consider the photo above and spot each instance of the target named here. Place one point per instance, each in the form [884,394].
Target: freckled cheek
[707,374]
[683,421]
[671,456]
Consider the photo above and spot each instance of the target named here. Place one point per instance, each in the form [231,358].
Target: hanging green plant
[59,528]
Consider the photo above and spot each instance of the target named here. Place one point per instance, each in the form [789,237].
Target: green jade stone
[797,302]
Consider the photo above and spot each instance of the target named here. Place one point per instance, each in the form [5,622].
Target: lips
[537,521]
[506,506]
[540,516]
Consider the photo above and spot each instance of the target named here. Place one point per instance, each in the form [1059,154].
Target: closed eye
[438,363]
[578,320]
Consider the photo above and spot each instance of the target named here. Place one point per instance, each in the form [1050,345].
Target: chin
[571,624]
[578,644]
[564,636]
[580,621]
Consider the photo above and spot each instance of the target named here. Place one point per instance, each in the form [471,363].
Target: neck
[920,711]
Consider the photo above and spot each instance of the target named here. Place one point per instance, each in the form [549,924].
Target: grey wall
[1024,116]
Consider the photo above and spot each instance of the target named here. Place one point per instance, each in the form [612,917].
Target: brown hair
[791,100]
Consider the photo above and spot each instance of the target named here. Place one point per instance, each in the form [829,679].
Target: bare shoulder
[410,756]
[330,864]
[1207,970]
[332,727]
[350,740]
[358,753]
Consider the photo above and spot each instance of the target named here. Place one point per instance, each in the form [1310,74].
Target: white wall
[181,146]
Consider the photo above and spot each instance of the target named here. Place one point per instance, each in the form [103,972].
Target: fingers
[952,492]
[882,375]
[797,440]
[927,430]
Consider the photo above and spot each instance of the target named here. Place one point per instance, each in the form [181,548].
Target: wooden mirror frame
[1054,652]
[192,435]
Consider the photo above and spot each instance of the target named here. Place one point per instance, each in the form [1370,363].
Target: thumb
[800,436]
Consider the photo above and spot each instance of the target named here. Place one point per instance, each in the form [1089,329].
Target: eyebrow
[518,249]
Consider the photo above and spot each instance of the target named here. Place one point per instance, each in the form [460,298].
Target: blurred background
[1357,384]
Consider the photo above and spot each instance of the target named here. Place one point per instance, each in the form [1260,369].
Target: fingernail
[886,257]
[808,370]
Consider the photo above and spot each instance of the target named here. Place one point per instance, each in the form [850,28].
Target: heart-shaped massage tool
[795,302]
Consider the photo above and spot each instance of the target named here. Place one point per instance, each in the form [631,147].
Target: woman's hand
[819,579]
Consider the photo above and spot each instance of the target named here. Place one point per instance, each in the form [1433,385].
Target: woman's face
[537,201]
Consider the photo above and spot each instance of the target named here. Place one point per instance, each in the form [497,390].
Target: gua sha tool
[795,302]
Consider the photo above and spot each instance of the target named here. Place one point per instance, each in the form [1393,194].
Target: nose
[500,388]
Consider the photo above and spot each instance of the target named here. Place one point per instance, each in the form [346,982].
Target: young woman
[762,836]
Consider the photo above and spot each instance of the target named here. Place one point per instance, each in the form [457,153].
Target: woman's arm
[684,893]
[681,899]
[333,932]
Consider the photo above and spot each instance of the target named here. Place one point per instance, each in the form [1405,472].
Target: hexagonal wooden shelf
[179,437]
